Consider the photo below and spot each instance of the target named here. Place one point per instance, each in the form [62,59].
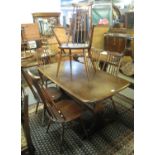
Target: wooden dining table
[100,86]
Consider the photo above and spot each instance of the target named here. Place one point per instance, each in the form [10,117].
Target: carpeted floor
[116,137]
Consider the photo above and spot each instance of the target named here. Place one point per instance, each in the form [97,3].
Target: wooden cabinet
[117,42]
[114,42]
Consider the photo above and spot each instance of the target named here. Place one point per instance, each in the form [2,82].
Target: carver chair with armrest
[62,112]
[54,92]
[106,60]
[26,141]
[112,63]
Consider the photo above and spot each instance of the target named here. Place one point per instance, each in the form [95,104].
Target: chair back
[49,103]
[30,83]
[81,23]
[106,60]
[112,64]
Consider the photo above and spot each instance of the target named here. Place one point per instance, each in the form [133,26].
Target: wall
[29,6]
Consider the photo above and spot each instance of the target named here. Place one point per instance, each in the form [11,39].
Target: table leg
[85,63]
[70,58]
[90,56]
[59,61]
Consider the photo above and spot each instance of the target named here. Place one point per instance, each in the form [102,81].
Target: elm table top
[100,85]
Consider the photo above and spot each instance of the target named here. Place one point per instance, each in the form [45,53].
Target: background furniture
[39,17]
[30,32]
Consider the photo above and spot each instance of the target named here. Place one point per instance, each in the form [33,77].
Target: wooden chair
[112,64]
[26,141]
[80,34]
[109,62]
[106,60]
[62,112]
[54,92]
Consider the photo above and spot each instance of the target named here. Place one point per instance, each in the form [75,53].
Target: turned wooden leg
[83,127]
[62,137]
[114,106]
[37,106]
[85,63]
[59,62]
[70,58]
[90,56]
[48,126]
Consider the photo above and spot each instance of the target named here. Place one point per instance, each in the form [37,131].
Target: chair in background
[112,63]
[54,92]
[106,60]
[32,38]
[62,112]
[26,141]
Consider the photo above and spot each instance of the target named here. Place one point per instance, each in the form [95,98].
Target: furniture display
[100,86]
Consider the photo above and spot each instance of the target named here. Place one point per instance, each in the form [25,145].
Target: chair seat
[69,109]
[54,92]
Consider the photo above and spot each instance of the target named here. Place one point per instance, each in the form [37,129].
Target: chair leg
[37,107]
[84,129]
[62,137]
[49,123]
[114,106]
[43,116]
